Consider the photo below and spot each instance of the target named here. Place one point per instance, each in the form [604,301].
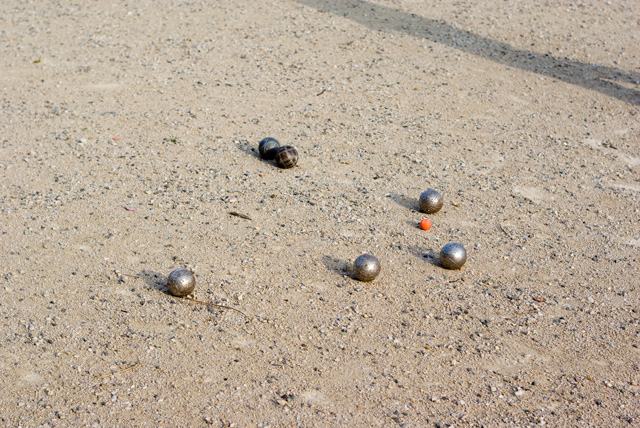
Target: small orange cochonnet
[425,224]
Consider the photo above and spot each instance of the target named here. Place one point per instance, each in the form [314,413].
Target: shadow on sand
[607,80]
[405,202]
[341,267]
[155,280]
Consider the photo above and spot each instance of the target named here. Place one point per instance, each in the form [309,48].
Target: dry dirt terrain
[130,132]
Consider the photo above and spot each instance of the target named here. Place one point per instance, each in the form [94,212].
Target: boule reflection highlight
[366,268]
[453,256]
[181,282]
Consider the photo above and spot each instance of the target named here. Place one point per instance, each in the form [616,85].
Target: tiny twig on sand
[216,305]
[119,371]
[237,214]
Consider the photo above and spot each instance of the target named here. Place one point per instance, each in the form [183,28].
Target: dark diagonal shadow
[607,80]
[405,202]
[336,265]
[155,280]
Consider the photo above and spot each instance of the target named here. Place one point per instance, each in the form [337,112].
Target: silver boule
[430,201]
[453,256]
[181,282]
[366,268]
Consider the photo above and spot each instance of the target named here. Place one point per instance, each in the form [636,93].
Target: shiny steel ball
[268,148]
[181,282]
[453,256]
[366,268]
[287,157]
[430,201]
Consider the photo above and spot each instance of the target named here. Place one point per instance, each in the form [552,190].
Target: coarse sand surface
[129,148]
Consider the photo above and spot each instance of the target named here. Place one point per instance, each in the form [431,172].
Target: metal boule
[453,256]
[366,268]
[430,201]
[181,282]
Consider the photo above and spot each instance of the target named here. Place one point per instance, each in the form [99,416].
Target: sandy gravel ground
[130,132]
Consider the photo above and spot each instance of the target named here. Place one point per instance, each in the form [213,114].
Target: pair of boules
[285,156]
[452,255]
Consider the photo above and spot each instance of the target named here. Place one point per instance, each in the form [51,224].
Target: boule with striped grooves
[287,157]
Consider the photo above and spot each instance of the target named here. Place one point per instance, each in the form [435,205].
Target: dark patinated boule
[366,268]
[453,256]
[181,282]
[287,157]
[268,148]
[430,201]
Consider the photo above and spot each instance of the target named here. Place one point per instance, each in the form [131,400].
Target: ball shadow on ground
[155,280]
[405,202]
[341,267]
[428,255]
[249,149]
[412,224]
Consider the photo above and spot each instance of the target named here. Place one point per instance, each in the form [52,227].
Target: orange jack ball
[425,224]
